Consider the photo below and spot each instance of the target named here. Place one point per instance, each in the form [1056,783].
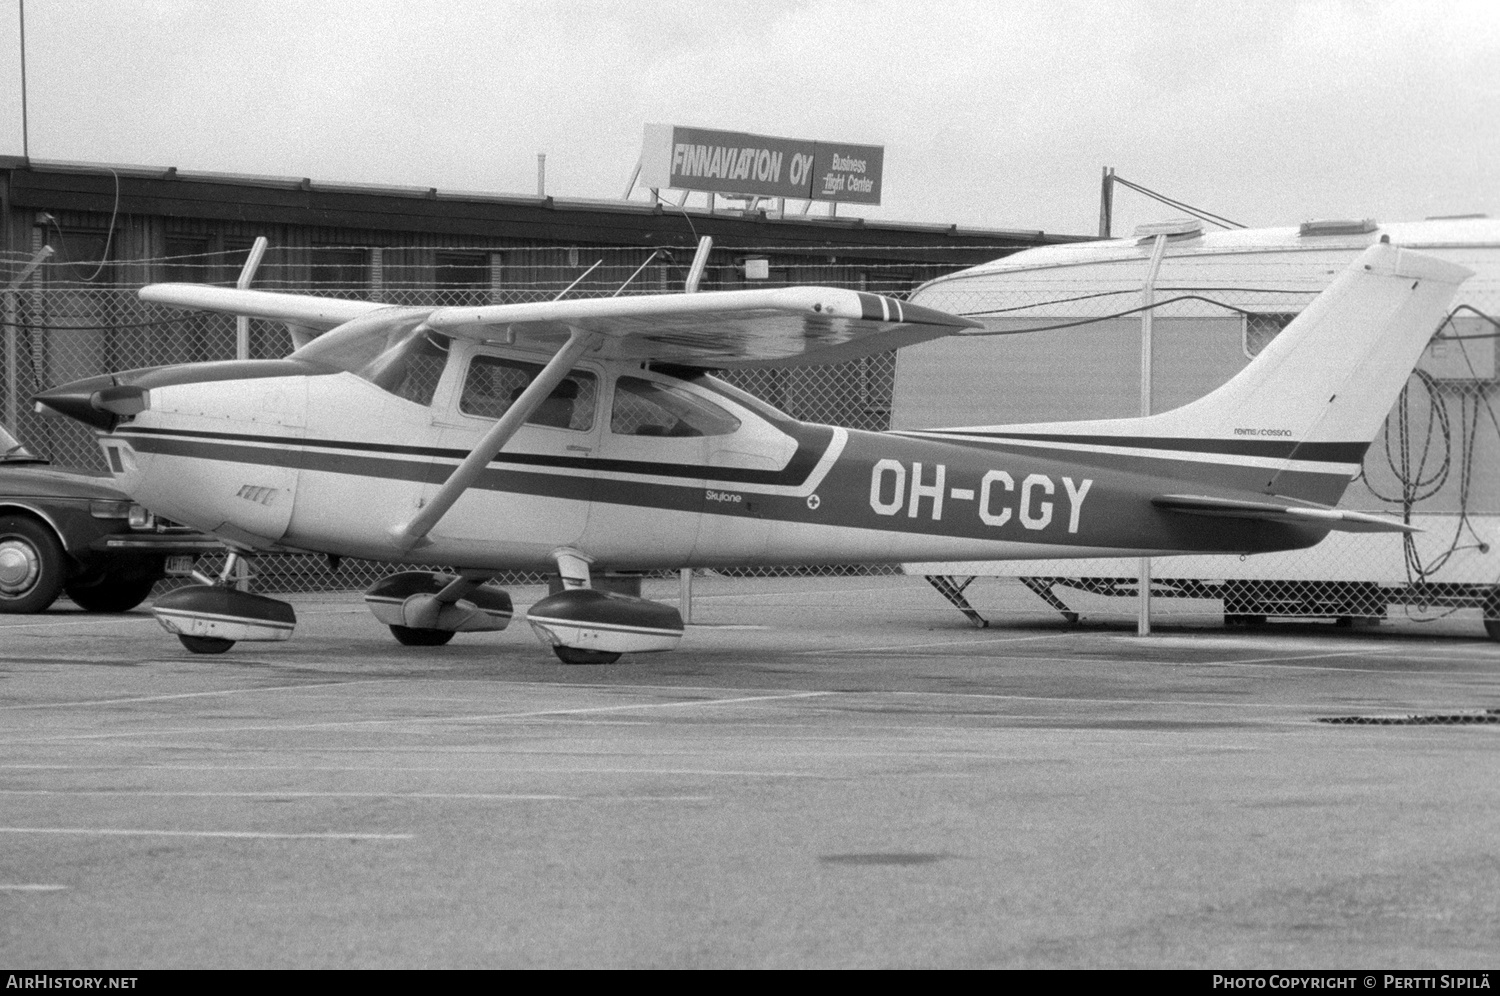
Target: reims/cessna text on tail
[587,435]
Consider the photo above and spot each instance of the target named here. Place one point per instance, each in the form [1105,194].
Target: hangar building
[77,316]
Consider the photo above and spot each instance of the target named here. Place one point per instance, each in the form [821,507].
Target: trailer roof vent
[1338,226]
[1175,228]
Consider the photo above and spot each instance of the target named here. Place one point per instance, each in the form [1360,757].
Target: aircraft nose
[95,401]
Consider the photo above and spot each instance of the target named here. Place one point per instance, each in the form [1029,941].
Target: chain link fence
[1433,465]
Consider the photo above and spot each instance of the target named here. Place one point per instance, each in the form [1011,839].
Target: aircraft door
[534,496]
[649,497]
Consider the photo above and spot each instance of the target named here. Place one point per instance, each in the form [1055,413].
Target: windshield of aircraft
[11,450]
[395,352]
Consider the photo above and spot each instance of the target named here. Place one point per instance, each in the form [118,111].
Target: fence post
[1148,299]
[12,320]
[242,324]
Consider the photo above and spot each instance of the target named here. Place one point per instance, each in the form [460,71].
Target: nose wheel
[211,617]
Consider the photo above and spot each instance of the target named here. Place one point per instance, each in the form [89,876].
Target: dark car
[65,530]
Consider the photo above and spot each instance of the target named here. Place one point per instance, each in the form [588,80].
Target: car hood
[41,481]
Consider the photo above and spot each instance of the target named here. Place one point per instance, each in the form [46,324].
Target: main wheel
[112,594]
[32,565]
[572,655]
[205,644]
[412,636]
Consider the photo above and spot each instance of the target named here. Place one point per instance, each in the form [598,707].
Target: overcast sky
[992,114]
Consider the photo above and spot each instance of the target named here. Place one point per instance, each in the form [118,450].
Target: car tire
[32,565]
[111,593]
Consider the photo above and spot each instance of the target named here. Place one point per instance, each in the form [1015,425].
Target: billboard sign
[733,162]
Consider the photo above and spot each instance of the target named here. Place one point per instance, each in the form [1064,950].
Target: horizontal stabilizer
[1334,519]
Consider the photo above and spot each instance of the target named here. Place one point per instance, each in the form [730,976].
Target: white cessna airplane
[581,435]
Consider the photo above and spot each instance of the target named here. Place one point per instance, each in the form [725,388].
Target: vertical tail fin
[1298,419]
[1333,374]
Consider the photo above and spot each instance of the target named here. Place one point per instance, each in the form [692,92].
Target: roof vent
[1179,227]
[1338,226]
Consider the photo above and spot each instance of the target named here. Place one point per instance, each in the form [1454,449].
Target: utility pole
[1106,201]
[25,134]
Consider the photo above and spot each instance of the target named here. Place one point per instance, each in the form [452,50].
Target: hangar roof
[169,192]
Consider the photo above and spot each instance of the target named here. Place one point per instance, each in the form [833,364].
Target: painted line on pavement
[944,643]
[411,720]
[232,834]
[196,695]
[272,794]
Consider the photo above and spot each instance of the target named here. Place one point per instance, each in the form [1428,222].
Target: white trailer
[1067,344]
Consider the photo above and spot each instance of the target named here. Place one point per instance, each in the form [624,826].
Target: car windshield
[11,449]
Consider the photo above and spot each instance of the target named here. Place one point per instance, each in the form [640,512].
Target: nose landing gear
[210,617]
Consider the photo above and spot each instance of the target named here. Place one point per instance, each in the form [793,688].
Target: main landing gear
[425,610]
[213,615]
[583,625]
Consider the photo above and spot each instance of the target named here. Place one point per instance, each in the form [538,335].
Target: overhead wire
[1198,213]
[108,238]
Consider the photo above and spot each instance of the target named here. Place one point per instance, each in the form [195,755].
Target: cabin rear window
[647,408]
[493,384]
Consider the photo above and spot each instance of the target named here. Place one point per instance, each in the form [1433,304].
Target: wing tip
[881,308]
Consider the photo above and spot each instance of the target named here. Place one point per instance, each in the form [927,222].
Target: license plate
[180,566]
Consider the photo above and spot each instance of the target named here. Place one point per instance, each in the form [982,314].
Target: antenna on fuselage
[700,263]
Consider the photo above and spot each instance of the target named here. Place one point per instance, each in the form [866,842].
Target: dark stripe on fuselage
[1273,448]
[812,443]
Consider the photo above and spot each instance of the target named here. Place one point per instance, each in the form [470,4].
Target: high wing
[300,312]
[1335,519]
[789,326]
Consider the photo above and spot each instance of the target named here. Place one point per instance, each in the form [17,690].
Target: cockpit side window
[647,408]
[494,383]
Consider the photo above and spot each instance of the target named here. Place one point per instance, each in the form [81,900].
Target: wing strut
[410,533]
